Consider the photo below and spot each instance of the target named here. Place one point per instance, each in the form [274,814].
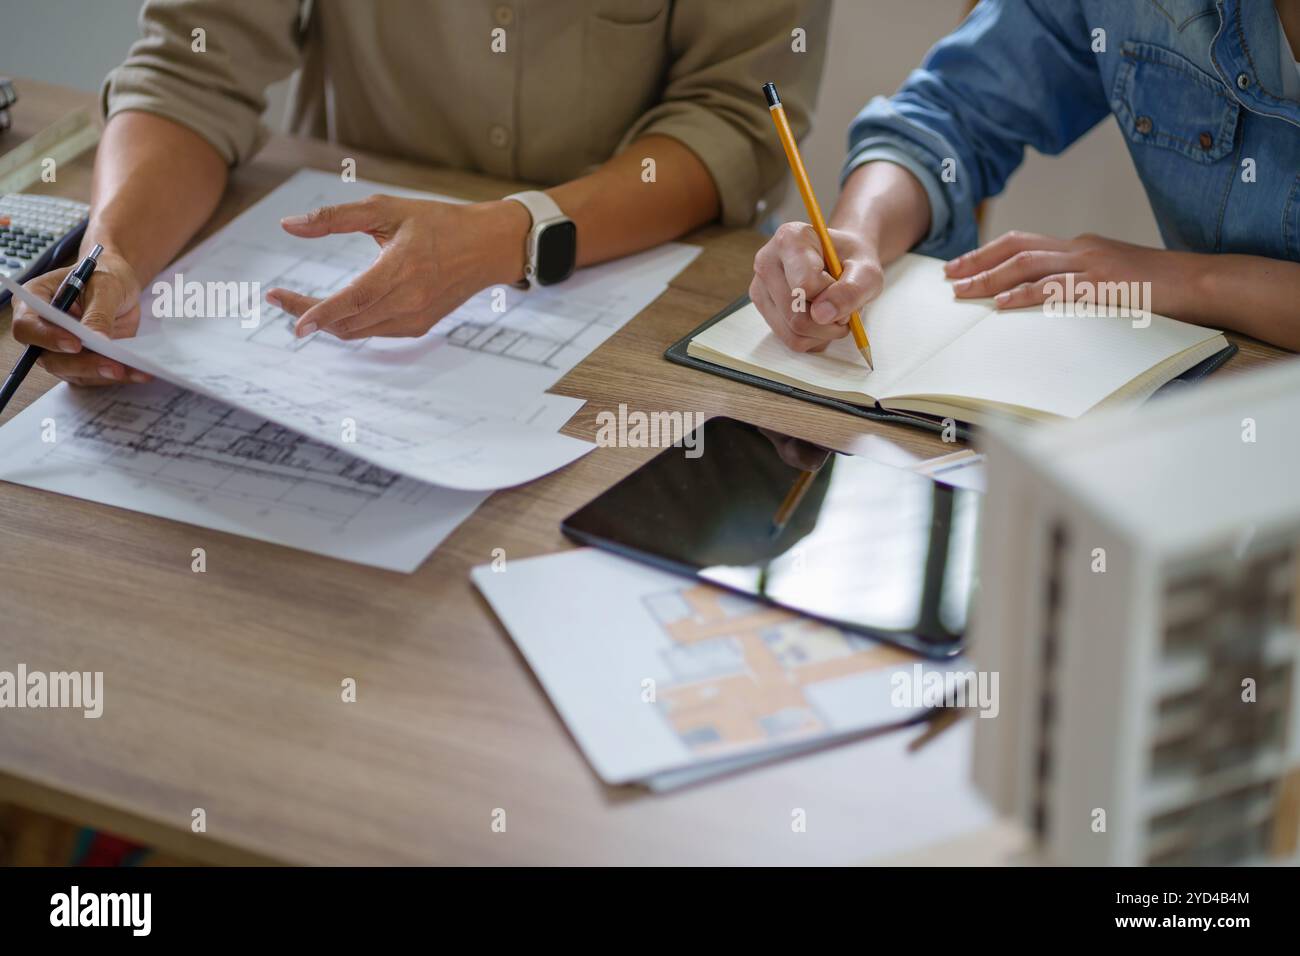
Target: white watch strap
[539,205]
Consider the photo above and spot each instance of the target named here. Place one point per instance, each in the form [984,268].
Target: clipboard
[964,431]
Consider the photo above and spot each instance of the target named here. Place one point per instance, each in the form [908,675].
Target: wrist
[1189,289]
[113,249]
[859,216]
[886,206]
[506,225]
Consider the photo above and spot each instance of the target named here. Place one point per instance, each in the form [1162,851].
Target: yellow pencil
[814,211]
[793,498]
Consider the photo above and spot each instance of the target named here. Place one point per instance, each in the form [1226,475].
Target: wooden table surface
[223,688]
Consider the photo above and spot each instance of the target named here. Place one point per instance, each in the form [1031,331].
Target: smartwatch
[551,251]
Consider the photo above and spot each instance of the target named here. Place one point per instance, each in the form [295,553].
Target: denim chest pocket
[1164,100]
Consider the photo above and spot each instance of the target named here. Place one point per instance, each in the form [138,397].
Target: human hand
[792,260]
[796,452]
[1017,269]
[110,304]
[432,257]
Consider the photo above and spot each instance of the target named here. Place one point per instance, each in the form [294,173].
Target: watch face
[557,251]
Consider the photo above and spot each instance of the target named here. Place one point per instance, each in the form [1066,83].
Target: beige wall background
[873,45]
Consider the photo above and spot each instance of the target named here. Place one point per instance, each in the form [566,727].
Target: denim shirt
[1200,88]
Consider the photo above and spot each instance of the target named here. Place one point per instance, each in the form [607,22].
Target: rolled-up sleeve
[713,99]
[1016,73]
[206,64]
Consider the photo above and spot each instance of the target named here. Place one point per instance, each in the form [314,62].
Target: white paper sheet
[160,450]
[441,408]
[654,673]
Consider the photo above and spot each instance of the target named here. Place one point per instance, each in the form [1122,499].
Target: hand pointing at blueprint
[441,408]
[433,256]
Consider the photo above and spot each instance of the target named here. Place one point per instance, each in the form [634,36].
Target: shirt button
[1243,81]
[503,15]
[1143,125]
[499,137]
[1206,140]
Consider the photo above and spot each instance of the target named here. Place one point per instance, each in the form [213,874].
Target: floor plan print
[169,435]
[550,328]
[695,680]
[166,451]
[741,669]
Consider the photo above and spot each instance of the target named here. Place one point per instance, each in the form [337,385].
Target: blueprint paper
[441,408]
[429,436]
[160,450]
[734,680]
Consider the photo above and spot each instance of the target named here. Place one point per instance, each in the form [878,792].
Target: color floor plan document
[691,674]
[161,450]
[442,408]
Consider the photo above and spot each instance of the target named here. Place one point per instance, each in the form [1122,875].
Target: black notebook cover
[677,353]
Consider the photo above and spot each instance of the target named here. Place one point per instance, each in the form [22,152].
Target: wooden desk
[223,689]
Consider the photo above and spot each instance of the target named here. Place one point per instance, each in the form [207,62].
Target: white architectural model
[1140,597]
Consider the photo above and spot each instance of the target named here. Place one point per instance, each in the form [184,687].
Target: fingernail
[139,377]
[961,285]
[273,299]
[1002,298]
[294,221]
[109,371]
[306,330]
[823,311]
[951,264]
[68,344]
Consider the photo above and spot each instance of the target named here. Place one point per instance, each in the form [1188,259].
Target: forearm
[1250,294]
[884,204]
[156,183]
[618,212]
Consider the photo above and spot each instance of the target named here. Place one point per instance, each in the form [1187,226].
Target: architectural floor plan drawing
[405,420]
[695,680]
[164,434]
[741,670]
[550,328]
[541,328]
[442,408]
[164,451]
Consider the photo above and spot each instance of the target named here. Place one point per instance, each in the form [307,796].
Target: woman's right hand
[110,304]
[792,260]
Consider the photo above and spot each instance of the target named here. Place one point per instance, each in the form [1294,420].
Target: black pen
[73,284]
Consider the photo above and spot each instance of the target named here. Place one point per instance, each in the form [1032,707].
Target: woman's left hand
[1019,268]
[432,257]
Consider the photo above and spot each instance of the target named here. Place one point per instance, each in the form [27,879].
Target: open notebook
[962,359]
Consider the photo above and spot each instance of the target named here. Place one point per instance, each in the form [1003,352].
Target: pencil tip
[866,356]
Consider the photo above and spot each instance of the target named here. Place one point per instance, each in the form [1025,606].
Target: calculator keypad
[34,224]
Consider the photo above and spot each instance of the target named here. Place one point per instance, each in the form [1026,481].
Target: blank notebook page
[1060,365]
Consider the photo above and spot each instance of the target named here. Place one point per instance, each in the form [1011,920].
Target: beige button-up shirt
[533,90]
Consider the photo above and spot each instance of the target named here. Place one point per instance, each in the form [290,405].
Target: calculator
[37,233]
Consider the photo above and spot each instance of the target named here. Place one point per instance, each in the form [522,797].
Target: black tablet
[859,544]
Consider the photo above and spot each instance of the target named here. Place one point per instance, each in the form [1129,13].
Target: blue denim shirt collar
[1245,55]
